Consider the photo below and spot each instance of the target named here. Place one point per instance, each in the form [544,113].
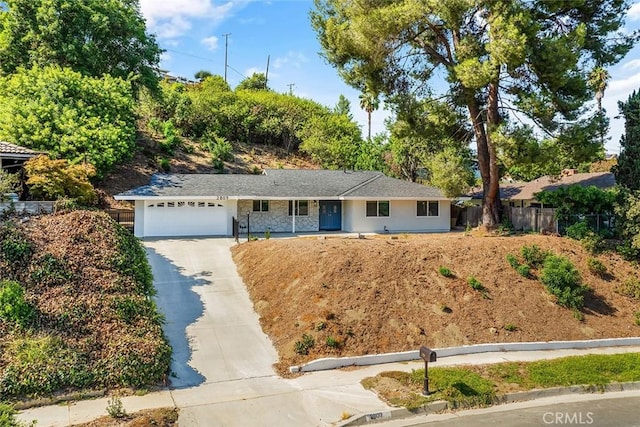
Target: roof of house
[10,150]
[284,184]
[527,190]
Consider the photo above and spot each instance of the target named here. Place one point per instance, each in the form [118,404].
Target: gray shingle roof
[282,183]
[8,148]
[527,190]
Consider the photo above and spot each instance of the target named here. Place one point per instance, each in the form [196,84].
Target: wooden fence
[532,219]
[124,217]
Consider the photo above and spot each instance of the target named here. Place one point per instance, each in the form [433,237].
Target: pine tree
[628,169]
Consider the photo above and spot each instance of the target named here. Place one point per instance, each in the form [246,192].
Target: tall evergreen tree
[527,56]
[627,171]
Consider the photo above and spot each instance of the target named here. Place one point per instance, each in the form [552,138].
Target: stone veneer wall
[277,219]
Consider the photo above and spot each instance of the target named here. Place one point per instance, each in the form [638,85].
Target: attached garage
[185,218]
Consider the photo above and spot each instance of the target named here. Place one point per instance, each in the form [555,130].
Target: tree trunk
[369,120]
[487,161]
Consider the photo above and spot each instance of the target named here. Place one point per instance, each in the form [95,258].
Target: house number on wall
[220,197]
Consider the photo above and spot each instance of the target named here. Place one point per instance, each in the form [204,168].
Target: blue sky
[191,32]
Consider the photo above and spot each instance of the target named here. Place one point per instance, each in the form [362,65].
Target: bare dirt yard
[385,293]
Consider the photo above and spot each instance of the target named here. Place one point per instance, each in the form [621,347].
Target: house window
[427,208]
[261,206]
[378,208]
[302,207]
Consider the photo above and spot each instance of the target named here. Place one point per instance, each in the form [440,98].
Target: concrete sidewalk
[313,399]
[223,362]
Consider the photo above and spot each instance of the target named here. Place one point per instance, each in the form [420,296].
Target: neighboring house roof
[282,184]
[12,151]
[527,190]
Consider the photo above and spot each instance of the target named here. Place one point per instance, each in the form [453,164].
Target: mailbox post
[427,355]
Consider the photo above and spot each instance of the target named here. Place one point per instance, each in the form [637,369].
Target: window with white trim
[302,207]
[378,208]
[261,206]
[428,208]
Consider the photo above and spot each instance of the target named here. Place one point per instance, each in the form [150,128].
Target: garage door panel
[186,218]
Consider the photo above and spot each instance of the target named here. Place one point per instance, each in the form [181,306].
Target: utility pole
[266,75]
[226,48]
[291,85]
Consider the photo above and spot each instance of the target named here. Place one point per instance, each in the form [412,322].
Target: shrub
[132,261]
[267,234]
[510,327]
[13,307]
[115,408]
[56,179]
[332,342]
[578,231]
[165,165]
[50,271]
[628,251]
[475,284]
[637,316]
[524,270]
[629,288]
[445,271]
[593,243]
[596,267]
[562,280]
[303,347]
[533,255]
[221,149]
[8,417]
[513,261]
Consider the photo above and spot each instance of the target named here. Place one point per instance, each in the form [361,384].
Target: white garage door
[186,218]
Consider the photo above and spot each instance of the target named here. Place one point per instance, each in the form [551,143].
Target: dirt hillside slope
[380,295]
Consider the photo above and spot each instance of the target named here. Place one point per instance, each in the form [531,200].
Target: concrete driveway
[222,363]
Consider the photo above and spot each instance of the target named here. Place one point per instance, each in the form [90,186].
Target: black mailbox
[427,355]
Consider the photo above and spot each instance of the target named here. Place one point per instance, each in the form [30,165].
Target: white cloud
[172,18]
[622,88]
[292,59]
[634,12]
[631,65]
[210,42]
[251,71]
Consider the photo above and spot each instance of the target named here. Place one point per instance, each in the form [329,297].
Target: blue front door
[330,215]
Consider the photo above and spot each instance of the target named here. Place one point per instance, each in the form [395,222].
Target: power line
[226,50]
[188,54]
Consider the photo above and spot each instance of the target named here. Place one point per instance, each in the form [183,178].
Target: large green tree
[628,169]
[94,37]
[68,115]
[496,56]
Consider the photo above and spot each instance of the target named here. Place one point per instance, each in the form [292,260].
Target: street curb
[523,396]
[405,356]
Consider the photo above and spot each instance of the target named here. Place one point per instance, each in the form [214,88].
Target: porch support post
[293,215]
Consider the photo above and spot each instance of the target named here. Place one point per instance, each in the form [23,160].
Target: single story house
[522,194]
[286,200]
[12,156]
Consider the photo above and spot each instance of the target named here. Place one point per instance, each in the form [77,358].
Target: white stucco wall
[277,219]
[138,220]
[402,217]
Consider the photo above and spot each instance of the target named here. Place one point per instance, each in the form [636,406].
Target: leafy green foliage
[627,211]
[332,342]
[578,231]
[307,343]
[629,288]
[627,171]
[331,140]
[68,115]
[50,271]
[9,183]
[8,417]
[256,81]
[475,284]
[90,37]
[562,280]
[446,272]
[131,260]
[460,387]
[451,172]
[57,179]
[115,408]
[15,248]
[596,267]
[42,365]
[220,148]
[533,255]
[13,307]
[523,269]
[513,261]
[576,200]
